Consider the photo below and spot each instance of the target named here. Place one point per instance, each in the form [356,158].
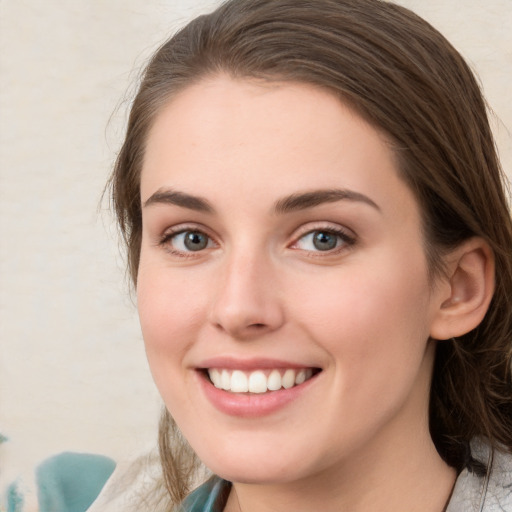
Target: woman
[321,244]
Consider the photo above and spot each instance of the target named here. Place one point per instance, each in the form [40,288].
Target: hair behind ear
[471,392]
[468,401]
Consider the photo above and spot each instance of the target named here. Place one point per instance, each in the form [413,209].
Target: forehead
[265,138]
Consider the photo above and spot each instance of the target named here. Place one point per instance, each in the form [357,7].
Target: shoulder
[491,492]
[134,486]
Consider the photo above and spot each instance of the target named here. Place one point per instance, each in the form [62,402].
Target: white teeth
[258,381]
[274,380]
[225,380]
[215,378]
[288,379]
[239,382]
[300,377]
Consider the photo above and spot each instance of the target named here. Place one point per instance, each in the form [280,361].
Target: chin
[255,467]
[263,474]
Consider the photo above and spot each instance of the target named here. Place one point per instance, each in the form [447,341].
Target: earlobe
[463,301]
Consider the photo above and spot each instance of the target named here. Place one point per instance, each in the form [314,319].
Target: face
[283,290]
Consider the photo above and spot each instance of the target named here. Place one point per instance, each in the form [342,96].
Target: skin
[357,439]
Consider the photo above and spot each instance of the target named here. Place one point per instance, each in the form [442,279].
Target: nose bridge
[247,300]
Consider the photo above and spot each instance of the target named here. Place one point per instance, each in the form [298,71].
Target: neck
[407,478]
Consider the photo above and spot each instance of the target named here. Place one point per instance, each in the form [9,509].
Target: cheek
[168,310]
[371,318]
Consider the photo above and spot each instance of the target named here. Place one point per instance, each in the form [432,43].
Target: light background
[73,374]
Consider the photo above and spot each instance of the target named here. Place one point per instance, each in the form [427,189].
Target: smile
[258,381]
[252,388]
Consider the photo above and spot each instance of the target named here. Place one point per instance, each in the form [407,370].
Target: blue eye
[322,240]
[188,241]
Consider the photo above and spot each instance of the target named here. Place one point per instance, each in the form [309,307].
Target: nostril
[255,327]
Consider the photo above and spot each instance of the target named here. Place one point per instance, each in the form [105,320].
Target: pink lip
[230,363]
[249,405]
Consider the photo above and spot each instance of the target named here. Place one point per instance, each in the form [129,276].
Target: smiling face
[282,254]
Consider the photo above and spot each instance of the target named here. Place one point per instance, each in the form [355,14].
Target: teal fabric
[70,482]
[14,498]
[209,497]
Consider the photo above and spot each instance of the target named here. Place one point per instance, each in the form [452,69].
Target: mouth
[258,381]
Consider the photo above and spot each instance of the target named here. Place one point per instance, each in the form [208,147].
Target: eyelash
[166,239]
[347,240]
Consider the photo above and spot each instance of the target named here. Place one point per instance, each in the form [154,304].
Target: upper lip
[232,363]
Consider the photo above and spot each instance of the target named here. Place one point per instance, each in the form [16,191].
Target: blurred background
[73,374]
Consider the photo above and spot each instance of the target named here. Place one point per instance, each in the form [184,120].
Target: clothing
[67,482]
[209,497]
[490,493]
[471,493]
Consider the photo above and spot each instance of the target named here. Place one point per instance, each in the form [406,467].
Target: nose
[247,301]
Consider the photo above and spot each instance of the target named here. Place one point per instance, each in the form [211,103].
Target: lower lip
[252,405]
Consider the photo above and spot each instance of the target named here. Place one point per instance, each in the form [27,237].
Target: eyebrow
[302,201]
[169,196]
[288,204]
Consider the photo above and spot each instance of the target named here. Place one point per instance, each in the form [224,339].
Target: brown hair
[403,77]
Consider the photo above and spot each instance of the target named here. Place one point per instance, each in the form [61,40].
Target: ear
[464,294]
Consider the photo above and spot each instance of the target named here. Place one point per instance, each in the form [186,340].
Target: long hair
[403,77]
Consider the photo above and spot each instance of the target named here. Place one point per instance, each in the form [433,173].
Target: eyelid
[171,232]
[348,237]
[322,226]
